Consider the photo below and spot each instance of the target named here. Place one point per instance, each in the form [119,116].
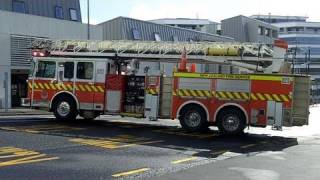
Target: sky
[215,10]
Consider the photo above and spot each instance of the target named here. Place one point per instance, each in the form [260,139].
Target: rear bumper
[25,102]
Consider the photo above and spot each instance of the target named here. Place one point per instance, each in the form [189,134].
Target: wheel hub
[193,119]
[63,108]
[231,123]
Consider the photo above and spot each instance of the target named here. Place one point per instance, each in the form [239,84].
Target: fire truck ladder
[246,55]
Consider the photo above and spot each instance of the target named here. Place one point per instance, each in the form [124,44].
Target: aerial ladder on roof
[252,56]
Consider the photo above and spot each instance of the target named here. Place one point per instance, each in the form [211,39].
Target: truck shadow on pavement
[117,135]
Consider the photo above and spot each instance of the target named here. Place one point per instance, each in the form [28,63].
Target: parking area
[41,147]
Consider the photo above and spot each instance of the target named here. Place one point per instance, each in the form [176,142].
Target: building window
[267,32]
[260,30]
[19,6]
[157,37]
[136,34]
[73,15]
[85,70]
[59,12]
[274,34]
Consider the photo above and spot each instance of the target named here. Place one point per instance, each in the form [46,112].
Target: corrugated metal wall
[45,7]
[21,50]
[121,28]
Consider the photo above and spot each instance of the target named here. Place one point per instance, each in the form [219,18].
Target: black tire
[62,114]
[193,118]
[231,121]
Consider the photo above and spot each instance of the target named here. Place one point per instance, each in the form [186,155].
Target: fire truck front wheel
[193,118]
[65,109]
[231,121]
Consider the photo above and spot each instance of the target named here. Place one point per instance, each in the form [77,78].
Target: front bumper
[25,102]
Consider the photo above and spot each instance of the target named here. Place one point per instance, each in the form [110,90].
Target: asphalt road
[42,148]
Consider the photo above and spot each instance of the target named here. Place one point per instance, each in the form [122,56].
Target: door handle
[90,83]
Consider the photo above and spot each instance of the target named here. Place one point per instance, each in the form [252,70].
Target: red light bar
[39,53]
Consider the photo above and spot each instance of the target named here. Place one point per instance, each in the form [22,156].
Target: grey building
[202,25]
[244,29]
[60,9]
[303,38]
[122,28]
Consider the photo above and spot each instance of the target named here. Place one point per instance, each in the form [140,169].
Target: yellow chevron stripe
[244,95]
[200,93]
[69,87]
[174,93]
[35,86]
[207,93]
[88,88]
[41,86]
[186,92]
[94,88]
[58,87]
[64,87]
[222,95]
[46,85]
[213,93]
[81,87]
[269,98]
[193,93]
[284,98]
[229,94]
[253,97]
[237,95]
[52,87]
[260,97]
[76,87]
[30,85]
[276,97]
[100,89]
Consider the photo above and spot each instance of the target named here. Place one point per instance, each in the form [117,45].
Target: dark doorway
[19,88]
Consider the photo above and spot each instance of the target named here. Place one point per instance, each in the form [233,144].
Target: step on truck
[90,78]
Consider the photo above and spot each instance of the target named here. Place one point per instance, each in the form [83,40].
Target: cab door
[85,89]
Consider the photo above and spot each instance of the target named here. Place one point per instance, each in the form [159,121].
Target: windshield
[46,69]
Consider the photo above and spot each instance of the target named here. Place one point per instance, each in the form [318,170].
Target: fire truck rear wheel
[193,118]
[231,121]
[65,109]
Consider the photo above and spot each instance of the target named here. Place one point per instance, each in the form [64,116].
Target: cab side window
[68,70]
[85,70]
[46,69]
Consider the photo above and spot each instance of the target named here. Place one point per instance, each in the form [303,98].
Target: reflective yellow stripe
[30,85]
[186,92]
[69,87]
[244,95]
[229,94]
[64,87]
[58,87]
[46,85]
[81,88]
[222,95]
[77,89]
[237,95]
[52,86]
[100,88]
[207,93]
[200,93]
[194,93]
[269,98]
[35,86]
[276,97]
[284,98]
[253,97]
[260,97]
[41,86]
[88,88]
[94,88]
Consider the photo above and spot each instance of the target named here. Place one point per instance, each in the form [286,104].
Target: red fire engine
[88,78]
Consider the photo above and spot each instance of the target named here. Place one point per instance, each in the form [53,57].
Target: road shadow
[209,144]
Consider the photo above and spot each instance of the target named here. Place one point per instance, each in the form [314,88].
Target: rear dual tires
[193,118]
[231,121]
[65,108]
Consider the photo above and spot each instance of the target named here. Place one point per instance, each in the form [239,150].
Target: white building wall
[35,26]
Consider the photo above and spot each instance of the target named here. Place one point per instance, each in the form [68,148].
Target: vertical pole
[88,11]
[6,80]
